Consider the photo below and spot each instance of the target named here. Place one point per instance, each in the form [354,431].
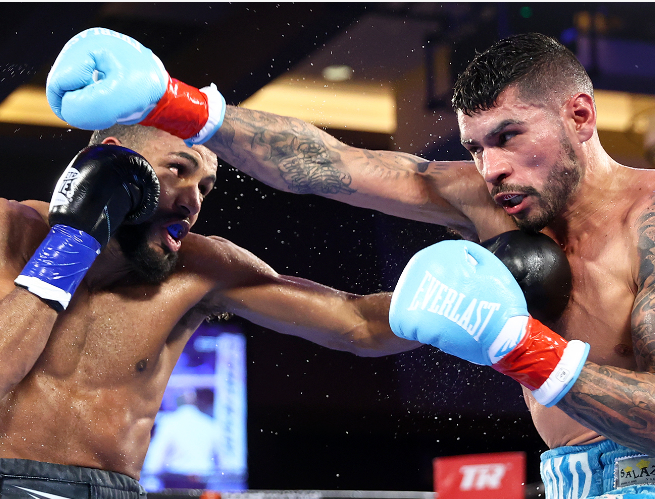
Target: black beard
[563,180]
[149,265]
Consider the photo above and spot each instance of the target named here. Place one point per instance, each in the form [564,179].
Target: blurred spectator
[185,448]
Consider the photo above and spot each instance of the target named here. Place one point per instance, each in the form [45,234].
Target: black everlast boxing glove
[103,187]
[539,266]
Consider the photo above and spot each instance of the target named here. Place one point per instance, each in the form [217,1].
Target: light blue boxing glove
[460,298]
[102,77]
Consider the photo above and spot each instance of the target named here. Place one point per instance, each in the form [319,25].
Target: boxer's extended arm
[325,316]
[246,286]
[283,152]
[619,403]
[295,156]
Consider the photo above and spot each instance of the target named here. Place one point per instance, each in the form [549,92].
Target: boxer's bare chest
[599,313]
[601,303]
[118,334]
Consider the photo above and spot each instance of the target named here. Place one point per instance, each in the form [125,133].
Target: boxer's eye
[506,136]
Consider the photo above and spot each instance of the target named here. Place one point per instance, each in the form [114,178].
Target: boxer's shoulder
[29,209]
[22,228]
[28,219]
[220,260]
[213,268]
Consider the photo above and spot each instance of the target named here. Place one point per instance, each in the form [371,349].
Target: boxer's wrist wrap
[187,112]
[216,108]
[544,362]
[59,265]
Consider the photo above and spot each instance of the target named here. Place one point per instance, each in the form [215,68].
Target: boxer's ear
[112,141]
[581,110]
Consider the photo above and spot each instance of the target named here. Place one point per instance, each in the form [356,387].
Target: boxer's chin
[152,265]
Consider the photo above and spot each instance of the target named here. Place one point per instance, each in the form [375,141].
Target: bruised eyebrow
[495,131]
[501,126]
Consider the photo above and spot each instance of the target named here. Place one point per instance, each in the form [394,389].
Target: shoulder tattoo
[643,313]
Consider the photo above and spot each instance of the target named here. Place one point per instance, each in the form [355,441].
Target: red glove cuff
[535,357]
[182,111]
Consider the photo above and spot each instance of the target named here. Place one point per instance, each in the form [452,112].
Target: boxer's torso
[91,398]
[604,262]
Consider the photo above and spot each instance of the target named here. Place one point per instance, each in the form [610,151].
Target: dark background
[318,419]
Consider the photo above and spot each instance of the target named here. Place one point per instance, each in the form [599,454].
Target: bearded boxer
[526,114]
[144,295]
[102,288]
[113,271]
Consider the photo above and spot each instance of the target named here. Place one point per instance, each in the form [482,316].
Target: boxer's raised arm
[295,156]
[25,320]
[285,153]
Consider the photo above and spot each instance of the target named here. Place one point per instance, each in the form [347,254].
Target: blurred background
[375,75]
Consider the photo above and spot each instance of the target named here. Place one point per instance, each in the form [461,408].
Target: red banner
[480,476]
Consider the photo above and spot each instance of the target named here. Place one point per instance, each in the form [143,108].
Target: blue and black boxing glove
[462,299]
[103,187]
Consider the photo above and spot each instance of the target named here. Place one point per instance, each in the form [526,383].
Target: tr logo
[482,476]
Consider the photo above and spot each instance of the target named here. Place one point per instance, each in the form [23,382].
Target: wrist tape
[544,362]
[59,265]
[187,112]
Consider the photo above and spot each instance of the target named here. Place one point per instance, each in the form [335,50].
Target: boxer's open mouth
[511,200]
[175,230]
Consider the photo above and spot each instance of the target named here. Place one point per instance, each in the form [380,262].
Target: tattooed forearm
[617,403]
[305,163]
[296,151]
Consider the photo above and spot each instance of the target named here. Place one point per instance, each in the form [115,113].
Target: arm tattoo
[296,150]
[619,403]
[306,166]
[643,313]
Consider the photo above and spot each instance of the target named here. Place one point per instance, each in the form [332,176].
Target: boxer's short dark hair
[539,66]
[132,136]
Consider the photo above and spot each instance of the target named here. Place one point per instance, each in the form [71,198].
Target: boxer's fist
[460,298]
[102,77]
[102,187]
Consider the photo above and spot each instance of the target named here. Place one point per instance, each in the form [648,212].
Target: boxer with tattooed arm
[527,116]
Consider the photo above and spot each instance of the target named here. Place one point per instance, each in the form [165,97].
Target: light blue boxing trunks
[605,470]
[24,479]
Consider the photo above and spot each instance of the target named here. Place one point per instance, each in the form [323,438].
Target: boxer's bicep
[297,157]
[457,190]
